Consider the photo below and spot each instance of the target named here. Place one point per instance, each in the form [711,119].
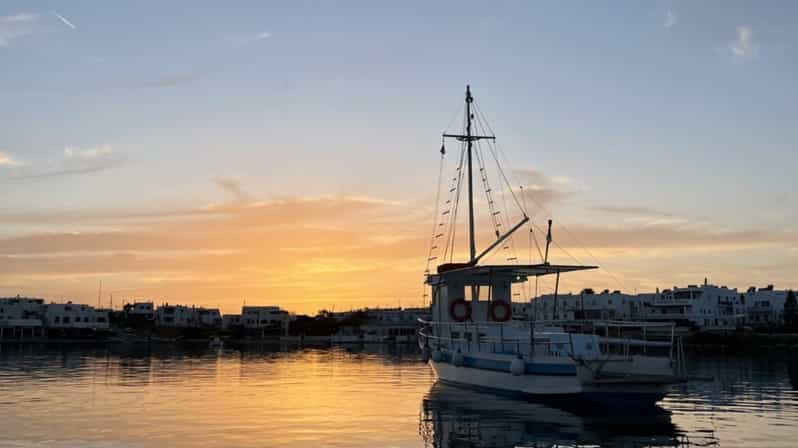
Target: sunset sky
[286,153]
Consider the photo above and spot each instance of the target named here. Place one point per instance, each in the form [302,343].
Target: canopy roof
[515,273]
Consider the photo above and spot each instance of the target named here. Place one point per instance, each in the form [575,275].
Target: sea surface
[381,396]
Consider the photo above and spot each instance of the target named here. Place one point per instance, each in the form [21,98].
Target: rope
[583,247]
[434,219]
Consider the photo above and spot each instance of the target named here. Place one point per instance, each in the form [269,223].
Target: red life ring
[500,311]
[455,305]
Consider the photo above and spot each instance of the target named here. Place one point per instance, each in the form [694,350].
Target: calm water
[380,396]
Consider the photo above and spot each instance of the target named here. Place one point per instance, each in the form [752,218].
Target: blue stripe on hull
[504,366]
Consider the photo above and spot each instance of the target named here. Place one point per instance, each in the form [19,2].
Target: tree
[790,310]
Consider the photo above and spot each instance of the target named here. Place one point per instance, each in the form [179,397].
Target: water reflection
[271,395]
[456,417]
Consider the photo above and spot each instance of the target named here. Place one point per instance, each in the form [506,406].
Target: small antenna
[99,294]
[548,243]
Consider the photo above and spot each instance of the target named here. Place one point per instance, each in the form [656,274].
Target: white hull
[490,379]
[623,384]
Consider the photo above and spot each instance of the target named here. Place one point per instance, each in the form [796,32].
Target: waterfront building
[765,306]
[586,305]
[209,317]
[230,321]
[706,307]
[75,316]
[177,316]
[703,307]
[381,325]
[20,317]
[263,319]
[140,310]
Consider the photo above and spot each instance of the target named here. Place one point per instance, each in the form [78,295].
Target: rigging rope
[432,245]
[576,240]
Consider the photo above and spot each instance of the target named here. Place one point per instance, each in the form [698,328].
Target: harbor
[410,224]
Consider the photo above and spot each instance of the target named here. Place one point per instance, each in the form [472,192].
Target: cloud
[631,210]
[88,153]
[171,81]
[74,161]
[250,39]
[6,160]
[670,19]
[64,20]
[232,186]
[744,48]
[541,189]
[17,26]
[302,251]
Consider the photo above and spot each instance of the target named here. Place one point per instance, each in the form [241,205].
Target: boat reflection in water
[452,416]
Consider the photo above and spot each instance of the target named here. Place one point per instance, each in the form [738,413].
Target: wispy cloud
[233,186]
[542,189]
[64,20]
[632,210]
[17,26]
[744,47]
[73,152]
[251,38]
[6,160]
[670,19]
[73,161]
[174,80]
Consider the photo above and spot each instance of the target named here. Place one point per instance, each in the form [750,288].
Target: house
[765,306]
[140,310]
[586,305]
[230,321]
[177,316]
[209,317]
[75,316]
[263,319]
[20,317]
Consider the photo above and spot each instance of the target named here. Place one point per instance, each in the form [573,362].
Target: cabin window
[58,319]
[66,319]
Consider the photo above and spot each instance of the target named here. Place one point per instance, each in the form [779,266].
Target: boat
[472,340]
[216,342]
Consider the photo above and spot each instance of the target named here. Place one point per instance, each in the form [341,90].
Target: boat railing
[620,338]
[465,342]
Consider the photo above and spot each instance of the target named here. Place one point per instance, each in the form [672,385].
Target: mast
[469,138]
[471,239]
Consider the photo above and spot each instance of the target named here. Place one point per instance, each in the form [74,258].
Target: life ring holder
[453,310]
[505,315]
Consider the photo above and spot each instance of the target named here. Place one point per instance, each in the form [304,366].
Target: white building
[585,305]
[707,307]
[265,318]
[209,317]
[72,315]
[141,310]
[20,316]
[765,306]
[178,316]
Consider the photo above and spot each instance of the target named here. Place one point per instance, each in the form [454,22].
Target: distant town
[700,308]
